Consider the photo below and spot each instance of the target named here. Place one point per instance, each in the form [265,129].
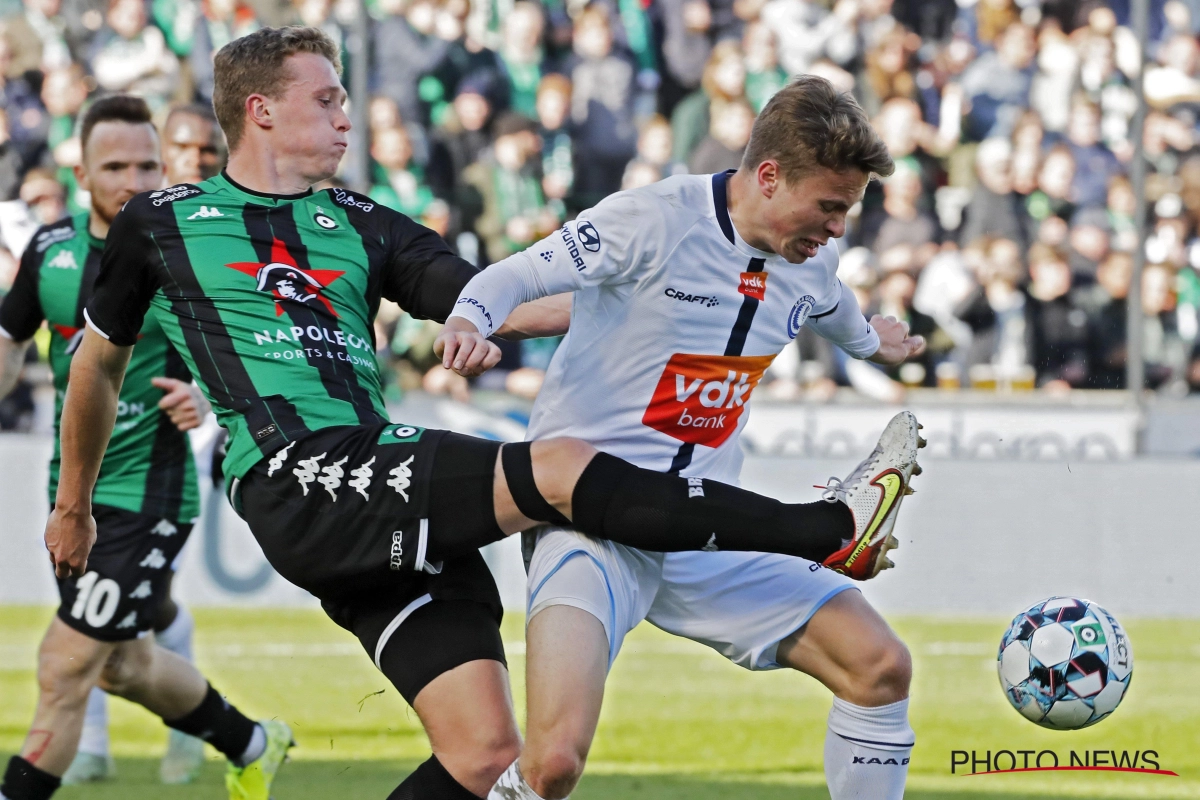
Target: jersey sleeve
[845,325]
[421,273]
[21,310]
[126,282]
[616,242]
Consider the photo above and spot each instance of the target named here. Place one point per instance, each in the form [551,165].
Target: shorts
[349,514]
[739,604]
[128,575]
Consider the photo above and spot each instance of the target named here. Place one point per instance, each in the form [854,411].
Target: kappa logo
[799,315]
[63,259]
[306,471]
[277,460]
[700,399]
[164,528]
[206,213]
[753,284]
[129,621]
[711,547]
[397,555]
[286,281]
[401,477]
[589,237]
[331,477]
[154,559]
[141,592]
[362,478]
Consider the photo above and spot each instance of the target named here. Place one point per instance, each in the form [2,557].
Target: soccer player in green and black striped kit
[144,499]
[268,290]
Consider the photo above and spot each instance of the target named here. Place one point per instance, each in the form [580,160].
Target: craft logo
[287,281]
[753,284]
[699,399]
[988,762]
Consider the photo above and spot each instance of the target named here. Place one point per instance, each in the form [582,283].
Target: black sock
[24,781]
[431,781]
[665,513]
[218,723]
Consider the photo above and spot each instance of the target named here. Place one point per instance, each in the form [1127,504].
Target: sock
[24,781]
[177,637]
[665,513]
[431,781]
[256,747]
[94,739]
[220,724]
[867,751]
[512,786]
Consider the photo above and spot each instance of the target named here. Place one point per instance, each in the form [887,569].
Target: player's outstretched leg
[93,761]
[849,648]
[173,631]
[565,481]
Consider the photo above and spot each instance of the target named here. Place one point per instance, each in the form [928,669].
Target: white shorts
[739,604]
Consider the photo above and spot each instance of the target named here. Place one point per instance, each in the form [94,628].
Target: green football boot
[253,781]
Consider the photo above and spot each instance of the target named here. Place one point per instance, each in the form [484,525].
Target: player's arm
[114,316]
[607,244]
[89,412]
[883,340]
[20,317]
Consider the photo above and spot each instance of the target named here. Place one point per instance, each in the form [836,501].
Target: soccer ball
[1065,663]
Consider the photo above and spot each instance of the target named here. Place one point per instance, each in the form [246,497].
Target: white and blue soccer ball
[1065,663]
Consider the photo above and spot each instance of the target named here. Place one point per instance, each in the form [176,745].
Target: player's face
[121,159]
[191,149]
[800,217]
[311,124]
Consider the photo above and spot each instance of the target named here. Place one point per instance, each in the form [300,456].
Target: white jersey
[674,321]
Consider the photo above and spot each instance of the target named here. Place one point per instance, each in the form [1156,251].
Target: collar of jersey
[93,240]
[720,206]
[237,188]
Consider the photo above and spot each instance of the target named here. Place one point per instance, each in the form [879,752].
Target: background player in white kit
[684,293]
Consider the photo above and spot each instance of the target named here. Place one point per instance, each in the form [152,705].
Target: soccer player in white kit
[684,292]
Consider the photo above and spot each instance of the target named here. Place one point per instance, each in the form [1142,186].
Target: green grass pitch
[679,721]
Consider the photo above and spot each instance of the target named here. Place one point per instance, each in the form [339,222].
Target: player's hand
[69,538]
[184,404]
[464,349]
[895,345]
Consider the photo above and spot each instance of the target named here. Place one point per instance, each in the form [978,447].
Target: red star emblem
[285,280]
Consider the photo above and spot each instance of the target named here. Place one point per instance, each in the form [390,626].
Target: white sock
[254,750]
[867,751]
[512,786]
[177,637]
[94,740]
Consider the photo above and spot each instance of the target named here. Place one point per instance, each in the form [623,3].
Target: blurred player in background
[684,292]
[192,152]
[145,497]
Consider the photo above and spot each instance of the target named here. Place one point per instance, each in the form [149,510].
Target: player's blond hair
[809,124]
[256,64]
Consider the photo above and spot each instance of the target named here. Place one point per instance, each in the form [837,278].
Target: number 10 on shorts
[96,599]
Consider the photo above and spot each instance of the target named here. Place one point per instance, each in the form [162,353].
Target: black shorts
[353,515]
[128,575]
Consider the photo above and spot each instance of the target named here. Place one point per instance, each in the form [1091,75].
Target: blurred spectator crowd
[1005,235]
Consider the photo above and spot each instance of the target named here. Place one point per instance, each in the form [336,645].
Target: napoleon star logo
[284,279]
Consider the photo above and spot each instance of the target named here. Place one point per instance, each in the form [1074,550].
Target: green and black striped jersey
[271,300]
[148,466]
